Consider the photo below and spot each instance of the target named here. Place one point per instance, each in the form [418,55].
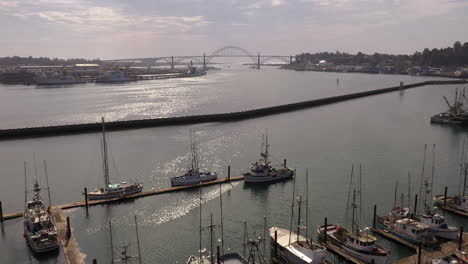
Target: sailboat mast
[221,214]
[307,206]
[395,198]
[104,155]
[422,174]
[200,227]
[354,207]
[461,165]
[299,218]
[47,182]
[25,186]
[292,207]
[431,186]
[360,193]
[464,181]
[111,243]
[409,191]
[349,193]
[266,147]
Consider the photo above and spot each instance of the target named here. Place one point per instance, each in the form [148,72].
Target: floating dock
[447,204]
[133,196]
[68,242]
[394,238]
[196,119]
[446,249]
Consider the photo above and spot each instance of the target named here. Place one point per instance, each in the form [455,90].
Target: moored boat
[408,229]
[193,175]
[112,190]
[114,77]
[39,229]
[262,171]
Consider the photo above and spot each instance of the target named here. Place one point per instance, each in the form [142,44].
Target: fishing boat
[112,190]
[193,175]
[292,247]
[262,171]
[39,229]
[455,115]
[56,79]
[408,229]
[355,242]
[114,77]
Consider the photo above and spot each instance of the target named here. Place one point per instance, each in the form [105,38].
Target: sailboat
[201,259]
[39,229]
[262,171]
[194,175]
[112,190]
[355,242]
[293,248]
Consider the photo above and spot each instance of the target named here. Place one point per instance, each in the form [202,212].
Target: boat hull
[249,178]
[446,233]
[41,249]
[186,180]
[98,195]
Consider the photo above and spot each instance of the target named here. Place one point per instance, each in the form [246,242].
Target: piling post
[218,258]
[445,196]
[94,261]
[284,163]
[245,238]
[325,232]
[416,204]
[229,173]
[172,62]
[460,244]
[419,252]
[68,228]
[375,216]
[1,212]
[276,243]
[86,198]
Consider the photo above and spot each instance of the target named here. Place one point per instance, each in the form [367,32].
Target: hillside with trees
[42,61]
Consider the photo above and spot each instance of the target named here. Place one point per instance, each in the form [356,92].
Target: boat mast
[360,193]
[409,191]
[104,155]
[354,206]
[298,218]
[422,174]
[200,227]
[461,165]
[47,182]
[292,208]
[111,244]
[221,215]
[25,186]
[464,181]
[349,194]
[307,206]
[395,198]
[432,173]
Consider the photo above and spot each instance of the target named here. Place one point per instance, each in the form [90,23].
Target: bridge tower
[258,61]
[204,62]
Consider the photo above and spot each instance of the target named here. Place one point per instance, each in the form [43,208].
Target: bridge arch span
[231,51]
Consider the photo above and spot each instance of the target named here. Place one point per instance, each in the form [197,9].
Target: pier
[340,252]
[68,242]
[448,204]
[196,119]
[87,203]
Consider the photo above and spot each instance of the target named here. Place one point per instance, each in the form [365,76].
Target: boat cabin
[361,241]
[411,228]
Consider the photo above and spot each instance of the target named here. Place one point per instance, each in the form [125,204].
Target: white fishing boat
[409,230]
[112,190]
[39,229]
[262,171]
[438,226]
[193,175]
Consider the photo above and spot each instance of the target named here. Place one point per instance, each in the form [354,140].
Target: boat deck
[69,245]
[133,196]
[340,252]
[446,249]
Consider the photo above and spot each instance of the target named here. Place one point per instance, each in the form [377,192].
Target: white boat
[408,229]
[39,229]
[194,175]
[296,249]
[114,77]
[112,190]
[261,171]
[438,226]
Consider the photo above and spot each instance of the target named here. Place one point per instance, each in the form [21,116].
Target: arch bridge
[224,52]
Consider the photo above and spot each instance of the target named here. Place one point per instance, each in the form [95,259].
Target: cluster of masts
[456,114]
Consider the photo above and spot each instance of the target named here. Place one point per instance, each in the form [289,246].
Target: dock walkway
[133,196]
[67,241]
[340,252]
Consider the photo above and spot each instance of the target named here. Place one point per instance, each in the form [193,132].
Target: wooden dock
[133,196]
[340,252]
[446,249]
[67,239]
[447,204]
[394,238]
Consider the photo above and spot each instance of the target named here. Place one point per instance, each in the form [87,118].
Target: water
[386,133]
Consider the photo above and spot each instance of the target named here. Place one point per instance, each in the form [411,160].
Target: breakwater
[187,120]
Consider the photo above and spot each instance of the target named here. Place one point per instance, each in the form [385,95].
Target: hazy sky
[151,28]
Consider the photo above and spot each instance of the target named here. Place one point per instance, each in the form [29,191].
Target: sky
[113,29]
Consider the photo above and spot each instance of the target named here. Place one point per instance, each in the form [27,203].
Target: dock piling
[68,228]
[416,204]
[375,216]
[284,163]
[1,212]
[460,244]
[86,199]
[218,259]
[445,196]
[419,252]
[276,243]
[94,261]
[229,173]
[325,231]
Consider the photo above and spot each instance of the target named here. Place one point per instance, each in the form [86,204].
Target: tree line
[42,61]
[456,56]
